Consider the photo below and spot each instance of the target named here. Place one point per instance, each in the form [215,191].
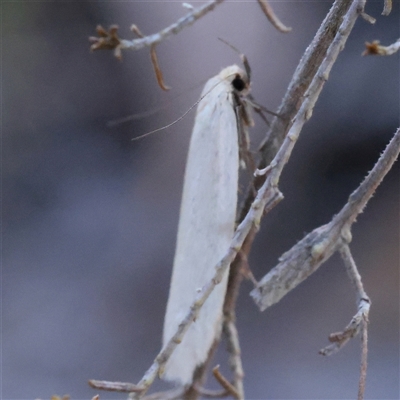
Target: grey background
[89,217]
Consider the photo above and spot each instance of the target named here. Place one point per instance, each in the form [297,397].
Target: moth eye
[238,83]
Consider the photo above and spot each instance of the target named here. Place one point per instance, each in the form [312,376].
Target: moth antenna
[244,59]
[177,120]
[154,109]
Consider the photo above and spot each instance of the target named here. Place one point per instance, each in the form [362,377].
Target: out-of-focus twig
[269,13]
[376,49]
[229,388]
[157,69]
[108,41]
[387,8]
[114,386]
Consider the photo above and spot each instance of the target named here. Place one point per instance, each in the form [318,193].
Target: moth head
[237,78]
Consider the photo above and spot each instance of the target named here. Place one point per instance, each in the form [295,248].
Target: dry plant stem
[269,13]
[174,394]
[302,78]
[304,114]
[229,326]
[213,394]
[157,69]
[325,48]
[376,49]
[358,322]
[364,355]
[229,388]
[364,304]
[314,249]
[235,360]
[368,18]
[387,8]
[295,94]
[353,273]
[114,386]
[175,28]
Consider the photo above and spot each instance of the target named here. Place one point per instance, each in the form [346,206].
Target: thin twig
[114,386]
[295,94]
[174,28]
[269,13]
[353,273]
[357,323]
[375,49]
[364,356]
[212,394]
[235,361]
[174,394]
[157,69]
[225,383]
[387,8]
[371,20]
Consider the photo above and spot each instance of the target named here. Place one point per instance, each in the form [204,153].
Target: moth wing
[206,227]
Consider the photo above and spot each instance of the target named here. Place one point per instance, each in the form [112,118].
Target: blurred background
[90,217]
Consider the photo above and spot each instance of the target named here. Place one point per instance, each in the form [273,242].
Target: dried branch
[114,386]
[305,72]
[235,361]
[109,40]
[212,394]
[359,322]
[295,94]
[339,339]
[157,69]
[269,13]
[363,367]
[371,20]
[375,49]
[314,249]
[173,394]
[229,388]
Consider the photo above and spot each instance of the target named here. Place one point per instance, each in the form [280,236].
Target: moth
[207,217]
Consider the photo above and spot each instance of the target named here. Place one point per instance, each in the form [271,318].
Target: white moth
[207,219]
